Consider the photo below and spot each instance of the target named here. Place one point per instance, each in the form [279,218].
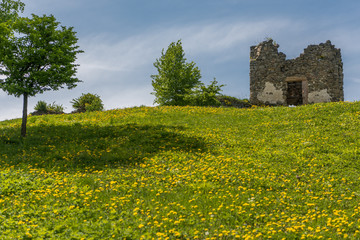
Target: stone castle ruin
[315,76]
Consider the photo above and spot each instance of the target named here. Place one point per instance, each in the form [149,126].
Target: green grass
[183,173]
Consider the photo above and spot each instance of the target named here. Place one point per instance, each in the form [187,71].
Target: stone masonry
[315,76]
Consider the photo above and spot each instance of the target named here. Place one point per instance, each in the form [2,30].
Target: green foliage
[56,108]
[9,10]
[175,77]
[178,83]
[203,95]
[87,103]
[228,101]
[36,54]
[9,13]
[39,57]
[43,108]
[183,173]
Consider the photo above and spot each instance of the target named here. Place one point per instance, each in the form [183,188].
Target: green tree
[9,13]
[9,10]
[36,56]
[175,78]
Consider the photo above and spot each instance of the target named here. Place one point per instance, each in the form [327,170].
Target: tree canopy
[175,76]
[178,82]
[36,55]
[40,57]
[9,10]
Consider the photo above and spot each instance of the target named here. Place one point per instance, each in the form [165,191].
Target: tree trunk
[24,117]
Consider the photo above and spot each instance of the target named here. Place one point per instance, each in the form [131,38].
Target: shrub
[87,103]
[43,108]
[205,95]
[227,101]
[56,108]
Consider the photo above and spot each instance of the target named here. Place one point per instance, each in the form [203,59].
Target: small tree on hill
[36,56]
[175,77]
[87,103]
[178,83]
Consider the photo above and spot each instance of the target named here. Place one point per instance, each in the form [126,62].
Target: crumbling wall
[276,81]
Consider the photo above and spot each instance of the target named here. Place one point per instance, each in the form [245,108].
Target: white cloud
[218,37]
[356,80]
[102,53]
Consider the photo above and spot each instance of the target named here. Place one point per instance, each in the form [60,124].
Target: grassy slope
[183,173]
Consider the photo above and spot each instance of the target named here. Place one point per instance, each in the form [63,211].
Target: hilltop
[183,173]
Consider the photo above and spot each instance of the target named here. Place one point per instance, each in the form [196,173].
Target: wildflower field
[183,173]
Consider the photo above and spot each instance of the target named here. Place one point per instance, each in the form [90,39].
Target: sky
[121,40]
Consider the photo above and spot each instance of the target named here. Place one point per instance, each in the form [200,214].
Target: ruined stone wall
[315,76]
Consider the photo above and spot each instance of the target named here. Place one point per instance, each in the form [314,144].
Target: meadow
[183,173]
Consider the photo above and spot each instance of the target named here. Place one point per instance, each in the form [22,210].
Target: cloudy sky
[121,40]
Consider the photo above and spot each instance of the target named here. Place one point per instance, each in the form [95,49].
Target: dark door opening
[294,93]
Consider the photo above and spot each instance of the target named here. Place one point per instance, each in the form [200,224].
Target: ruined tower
[315,76]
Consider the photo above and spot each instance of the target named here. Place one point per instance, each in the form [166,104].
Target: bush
[205,95]
[43,108]
[87,103]
[227,101]
[55,108]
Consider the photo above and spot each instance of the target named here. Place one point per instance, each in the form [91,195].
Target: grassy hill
[183,173]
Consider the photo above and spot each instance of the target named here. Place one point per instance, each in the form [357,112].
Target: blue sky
[121,40]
